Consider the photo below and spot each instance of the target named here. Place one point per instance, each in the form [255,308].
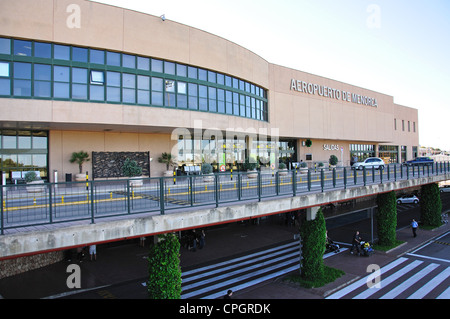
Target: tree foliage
[164,270]
[312,233]
[387,218]
[430,205]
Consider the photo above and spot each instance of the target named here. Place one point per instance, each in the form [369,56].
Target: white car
[408,199]
[445,189]
[370,162]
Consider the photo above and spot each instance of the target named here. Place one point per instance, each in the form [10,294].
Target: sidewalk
[353,266]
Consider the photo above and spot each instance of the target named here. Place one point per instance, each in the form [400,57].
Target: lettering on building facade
[332,93]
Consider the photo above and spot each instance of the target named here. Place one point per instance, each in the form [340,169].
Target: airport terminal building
[78,75]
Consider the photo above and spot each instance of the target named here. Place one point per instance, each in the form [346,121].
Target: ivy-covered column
[387,218]
[430,205]
[164,270]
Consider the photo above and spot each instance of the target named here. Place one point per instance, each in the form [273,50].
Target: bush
[333,160]
[430,205]
[387,218]
[31,176]
[312,233]
[207,168]
[164,270]
[130,168]
[281,166]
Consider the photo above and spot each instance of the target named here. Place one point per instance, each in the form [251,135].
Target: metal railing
[26,205]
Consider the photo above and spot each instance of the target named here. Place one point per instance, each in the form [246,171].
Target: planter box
[35,186]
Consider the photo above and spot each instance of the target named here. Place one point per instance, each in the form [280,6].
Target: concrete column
[312,212]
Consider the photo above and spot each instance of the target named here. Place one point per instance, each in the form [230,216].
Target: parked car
[408,199]
[445,189]
[420,161]
[369,163]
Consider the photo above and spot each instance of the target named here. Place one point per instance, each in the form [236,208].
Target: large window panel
[193,96]
[61,79]
[79,83]
[22,48]
[143,85]
[113,86]
[61,52]
[129,88]
[42,50]
[5,46]
[42,80]
[157,91]
[22,79]
[203,98]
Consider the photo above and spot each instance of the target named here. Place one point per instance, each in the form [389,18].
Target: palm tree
[80,157]
[166,158]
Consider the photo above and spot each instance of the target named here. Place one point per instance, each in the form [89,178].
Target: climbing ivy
[387,218]
[164,270]
[312,233]
[430,205]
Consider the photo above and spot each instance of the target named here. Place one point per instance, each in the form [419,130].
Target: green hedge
[430,205]
[312,233]
[387,218]
[164,270]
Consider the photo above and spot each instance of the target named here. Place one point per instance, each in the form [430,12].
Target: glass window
[79,54]
[170,96]
[129,88]
[42,50]
[236,103]
[61,76]
[113,58]
[113,86]
[97,56]
[96,92]
[9,139]
[24,140]
[220,101]
[5,86]
[203,98]
[4,69]
[5,46]
[97,77]
[128,61]
[22,79]
[228,81]
[157,94]
[169,68]
[229,102]
[211,77]
[182,88]
[22,48]
[143,84]
[181,70]
[79,83]
[193,99]
[192,72]
[202,75]
[42,80]
[61,52]
[212,96]
[182,97]
[220,79]
[143,63]
[157,66]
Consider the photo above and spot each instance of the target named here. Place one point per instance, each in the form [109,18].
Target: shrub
[31,176]
[164,281]
[207,168]
[387,218]
[79,158]
[130,168]
[312,233]
[333,160]
[281,166]
[430,205]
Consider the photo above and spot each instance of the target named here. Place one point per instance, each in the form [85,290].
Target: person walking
[93,252]
[414,227]
[356,243]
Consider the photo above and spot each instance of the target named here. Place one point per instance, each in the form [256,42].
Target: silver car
[408,199]
[370,162]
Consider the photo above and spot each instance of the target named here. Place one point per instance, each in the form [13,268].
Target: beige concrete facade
[301,105]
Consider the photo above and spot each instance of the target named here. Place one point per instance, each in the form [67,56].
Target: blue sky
[399,48]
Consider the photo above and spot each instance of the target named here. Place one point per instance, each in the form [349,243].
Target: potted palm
[79,158]
[132,170]
[168,159]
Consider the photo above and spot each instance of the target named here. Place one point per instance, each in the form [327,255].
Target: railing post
[364,175]
[334,177]
[345,178]
[259,186]
[355,176]
[50,205]
[90,184]
[294,182]
[161,194]
[309,180]
[322,179]
[191,191]
[1,210]
[239,188]
[216,191]
[277,183]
